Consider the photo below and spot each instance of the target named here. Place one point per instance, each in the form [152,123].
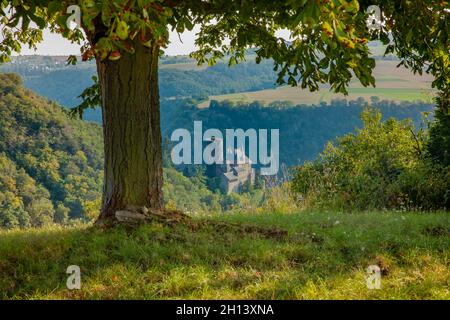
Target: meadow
[303,255]
[392,83]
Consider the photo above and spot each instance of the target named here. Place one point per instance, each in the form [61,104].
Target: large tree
[328,44]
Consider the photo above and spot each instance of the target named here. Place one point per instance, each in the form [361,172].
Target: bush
[381,166]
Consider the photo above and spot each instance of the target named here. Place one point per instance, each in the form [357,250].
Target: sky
[55,45]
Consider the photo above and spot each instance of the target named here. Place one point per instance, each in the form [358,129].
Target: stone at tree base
[139,209]
[130,216]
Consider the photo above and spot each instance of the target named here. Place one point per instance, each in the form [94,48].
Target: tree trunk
[133,174]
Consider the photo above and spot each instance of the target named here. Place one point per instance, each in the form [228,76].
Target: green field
[321,256]
[396,84]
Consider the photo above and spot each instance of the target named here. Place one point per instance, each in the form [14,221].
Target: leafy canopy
[328,37]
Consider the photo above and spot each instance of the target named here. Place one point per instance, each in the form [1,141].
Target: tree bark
[133,175]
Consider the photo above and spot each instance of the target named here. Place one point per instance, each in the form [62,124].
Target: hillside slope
[323,256]
[55,162]
[304,130]
[51,165]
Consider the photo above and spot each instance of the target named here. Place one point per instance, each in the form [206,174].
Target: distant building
[236,177]
[233,177]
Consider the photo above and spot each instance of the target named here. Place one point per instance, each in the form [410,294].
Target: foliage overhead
[328,38]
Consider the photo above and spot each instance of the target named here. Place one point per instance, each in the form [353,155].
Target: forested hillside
[52,164]
[55,162]
[304,130]
[112,188]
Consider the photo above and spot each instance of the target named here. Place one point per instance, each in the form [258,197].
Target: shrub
[381,166]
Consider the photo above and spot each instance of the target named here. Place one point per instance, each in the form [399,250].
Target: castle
[233,177]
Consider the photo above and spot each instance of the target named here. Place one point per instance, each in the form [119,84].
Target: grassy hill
[322,255]
[392,83]
[268,244]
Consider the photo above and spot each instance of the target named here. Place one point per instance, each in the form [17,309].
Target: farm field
[392,83]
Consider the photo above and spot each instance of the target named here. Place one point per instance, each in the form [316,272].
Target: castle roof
[230,176]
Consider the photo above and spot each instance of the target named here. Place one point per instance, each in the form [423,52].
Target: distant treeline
[65,84]
[304,130]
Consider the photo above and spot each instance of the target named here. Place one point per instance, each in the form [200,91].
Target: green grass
[324,256]
[393,94]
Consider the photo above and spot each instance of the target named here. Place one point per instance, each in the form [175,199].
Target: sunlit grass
[324,256]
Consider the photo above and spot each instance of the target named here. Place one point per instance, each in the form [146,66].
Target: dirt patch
[383,264]
[134,218]
[436,231]
[225,227]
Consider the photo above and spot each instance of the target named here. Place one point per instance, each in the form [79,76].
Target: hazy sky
[54,45]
